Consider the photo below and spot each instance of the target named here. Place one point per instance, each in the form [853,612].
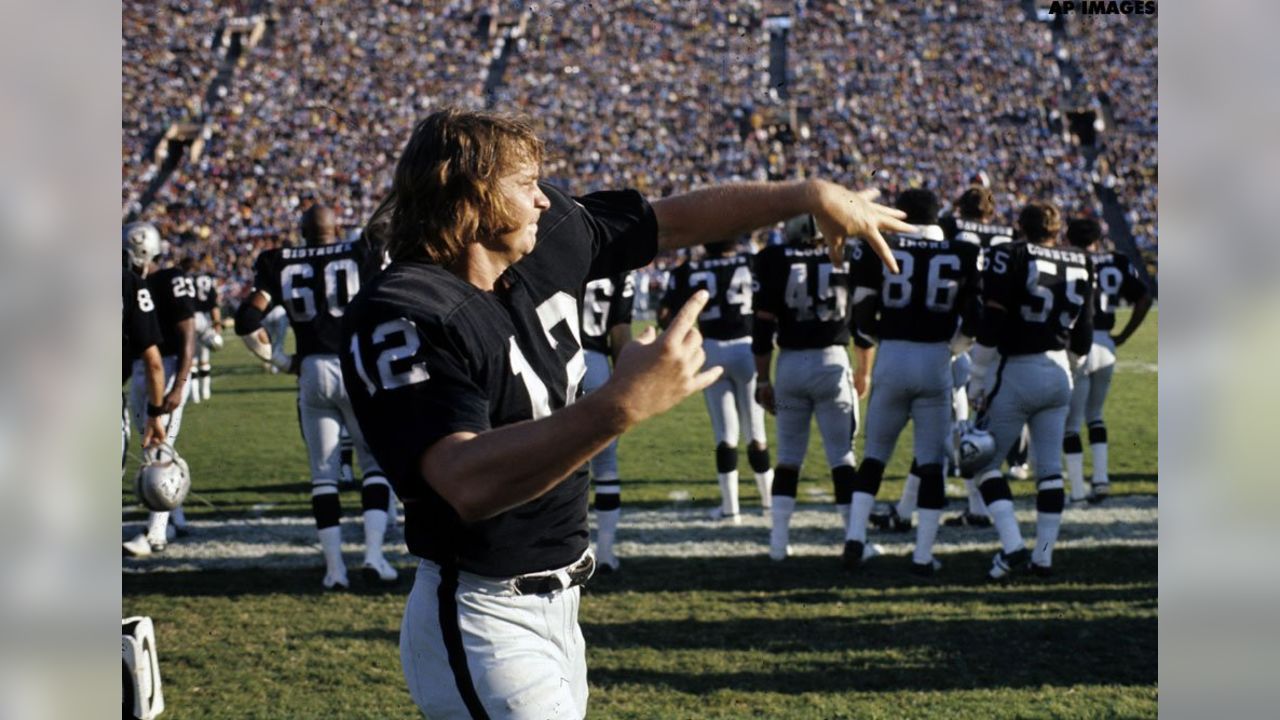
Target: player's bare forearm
[187,330]
[486,474]
[1140,310]
[153,371]
[725,211]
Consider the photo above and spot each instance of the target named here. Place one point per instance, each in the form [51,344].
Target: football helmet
[163,481]
[974,447]
[211,339]
[142,243]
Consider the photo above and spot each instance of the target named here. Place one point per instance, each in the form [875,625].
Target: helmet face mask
[142,243]
[163,481]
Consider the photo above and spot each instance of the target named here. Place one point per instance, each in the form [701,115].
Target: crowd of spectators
[662,96]
[1119,58]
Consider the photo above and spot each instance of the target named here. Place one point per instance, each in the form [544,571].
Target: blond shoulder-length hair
[445,191]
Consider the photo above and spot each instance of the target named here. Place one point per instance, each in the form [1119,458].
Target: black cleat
[891,521]
[1101,492]
[925,570]
[1007,565]
[968,519]
[852,558]
[1042,571]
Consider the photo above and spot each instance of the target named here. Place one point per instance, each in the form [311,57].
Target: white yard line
[289,542]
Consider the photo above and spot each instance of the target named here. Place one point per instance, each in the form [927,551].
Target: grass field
[245,632]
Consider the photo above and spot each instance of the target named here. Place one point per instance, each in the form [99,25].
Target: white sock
[331,545]
[910,490]
[193,388]
[977,506]
[781,512]
[205,381]
[178,517]
[1075,472]
[375,529]
[157,524]
[858,516]
[606,531]
[1006,525]
[1047,526]
[728,492]
[764,484]
[926,532]
[1100,476]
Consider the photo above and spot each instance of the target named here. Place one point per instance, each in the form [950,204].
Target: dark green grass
[670,638]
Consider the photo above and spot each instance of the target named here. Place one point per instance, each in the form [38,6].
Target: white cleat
[718,514]
[379,572]
[141,546]
[1021,472]
[779,548]
[336,581]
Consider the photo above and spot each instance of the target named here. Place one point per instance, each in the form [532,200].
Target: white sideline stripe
[290,542]
[1136,366]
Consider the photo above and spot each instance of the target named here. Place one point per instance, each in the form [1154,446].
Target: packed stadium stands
[662,96]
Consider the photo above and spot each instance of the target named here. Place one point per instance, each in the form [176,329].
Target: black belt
[543,583]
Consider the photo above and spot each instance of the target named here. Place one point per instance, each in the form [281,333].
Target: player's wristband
[154,410]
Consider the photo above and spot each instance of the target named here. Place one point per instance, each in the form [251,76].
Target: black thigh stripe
[999,378]
[451,632]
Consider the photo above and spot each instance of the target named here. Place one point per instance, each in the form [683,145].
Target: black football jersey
[808,295]
[206,293]
[426,354]
[140,326]
[1048,293]
[730,283]
[174,293]
[315,284]
[938,283]
[1117,278]
[984,235]
[606,302]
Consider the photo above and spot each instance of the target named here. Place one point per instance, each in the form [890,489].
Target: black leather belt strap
[541,584]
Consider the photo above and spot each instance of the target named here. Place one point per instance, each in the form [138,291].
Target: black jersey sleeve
[769,266]
[676,293]
[624,301]
[624,231]
[267,278]
[411,384]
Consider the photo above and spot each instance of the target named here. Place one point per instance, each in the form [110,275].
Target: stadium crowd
[661,96]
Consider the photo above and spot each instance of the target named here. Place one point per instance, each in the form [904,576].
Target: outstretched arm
[724,211]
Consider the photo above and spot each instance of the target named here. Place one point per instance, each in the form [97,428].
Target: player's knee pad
[375,493]
[1071,444]
[758,456]
[870,473]
[726,458]
[843,478]
[1051,496]
[786,480]
[932,493]
[1097,434]
[326,507]
[993,486]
